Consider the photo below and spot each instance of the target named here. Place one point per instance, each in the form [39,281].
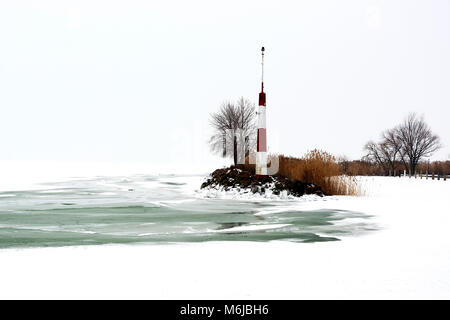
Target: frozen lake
[161,209]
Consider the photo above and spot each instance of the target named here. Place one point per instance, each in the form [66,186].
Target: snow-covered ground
[409,257]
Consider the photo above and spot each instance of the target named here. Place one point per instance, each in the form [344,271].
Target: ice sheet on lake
[162,209]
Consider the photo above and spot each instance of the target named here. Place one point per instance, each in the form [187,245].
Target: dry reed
[320,168]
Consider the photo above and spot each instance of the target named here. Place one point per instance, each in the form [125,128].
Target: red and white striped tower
[261,141]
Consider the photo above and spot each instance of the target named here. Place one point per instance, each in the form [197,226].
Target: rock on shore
[243,178]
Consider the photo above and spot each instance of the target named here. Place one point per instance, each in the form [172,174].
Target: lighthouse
[261,140]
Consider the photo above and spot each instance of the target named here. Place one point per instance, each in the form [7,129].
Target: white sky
[135,81]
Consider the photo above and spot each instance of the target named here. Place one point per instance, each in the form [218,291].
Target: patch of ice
[253,228]
[54,191]
[177,201]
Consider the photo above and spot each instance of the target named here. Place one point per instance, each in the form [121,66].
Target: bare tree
[376,153]
[409,142]
[392,146]
[234,129]
[418,141]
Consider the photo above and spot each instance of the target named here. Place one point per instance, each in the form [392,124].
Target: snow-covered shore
[408,258]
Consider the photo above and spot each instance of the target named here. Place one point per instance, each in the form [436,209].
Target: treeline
[369,168]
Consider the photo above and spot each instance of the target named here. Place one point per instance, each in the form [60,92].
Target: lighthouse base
[261,164]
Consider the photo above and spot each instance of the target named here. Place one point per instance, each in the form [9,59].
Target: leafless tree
[408,143]
[376,153]
[392,147]
[234,129]
[418,141]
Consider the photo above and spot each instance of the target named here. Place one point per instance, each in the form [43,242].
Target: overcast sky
[135,81]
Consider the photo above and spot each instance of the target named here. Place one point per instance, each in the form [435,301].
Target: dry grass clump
[320,168]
